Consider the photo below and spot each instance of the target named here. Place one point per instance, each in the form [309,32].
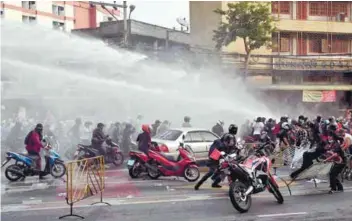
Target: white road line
[282,214]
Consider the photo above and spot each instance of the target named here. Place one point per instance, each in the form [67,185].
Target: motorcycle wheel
[58,170]
[154,174]
[191,174]
[118,159]
[276,192]
[349,176]
[237,189]
[12,176]
[135,170]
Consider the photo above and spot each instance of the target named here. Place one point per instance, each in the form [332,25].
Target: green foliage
[251,21]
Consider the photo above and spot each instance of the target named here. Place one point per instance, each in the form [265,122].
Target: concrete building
[312,49]
[144,37]
[64,15]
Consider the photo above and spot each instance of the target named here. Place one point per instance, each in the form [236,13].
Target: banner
[319,96]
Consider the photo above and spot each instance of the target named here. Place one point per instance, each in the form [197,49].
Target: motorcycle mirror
[182,144]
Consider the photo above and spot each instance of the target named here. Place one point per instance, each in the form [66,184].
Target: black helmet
[187,119]
[233,129]
[100,125]
[39,127]
[228,138]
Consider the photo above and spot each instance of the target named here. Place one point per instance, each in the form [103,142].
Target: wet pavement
[169,197]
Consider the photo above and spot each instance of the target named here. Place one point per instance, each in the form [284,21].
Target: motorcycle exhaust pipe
[19,173]
[250,189]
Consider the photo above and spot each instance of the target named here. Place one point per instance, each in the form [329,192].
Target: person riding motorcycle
[98,138]
[218,128]
[224,144]
[33,145]
[144,139]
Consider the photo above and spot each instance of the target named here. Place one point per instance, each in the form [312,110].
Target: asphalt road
[171,199]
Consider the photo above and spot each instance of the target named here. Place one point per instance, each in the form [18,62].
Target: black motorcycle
[113,153]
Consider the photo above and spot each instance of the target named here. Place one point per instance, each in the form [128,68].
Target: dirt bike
[248,176]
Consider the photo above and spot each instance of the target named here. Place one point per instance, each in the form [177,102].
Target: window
[285,42]
[58,25]
[284,7]
[58,10]
[171,135]
[207,136]
[29,5]
[318,8]
[193,137]
[338,8]
[28,19]
[315,43]
[340,46]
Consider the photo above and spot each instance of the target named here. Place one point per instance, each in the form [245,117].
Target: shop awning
[307,87]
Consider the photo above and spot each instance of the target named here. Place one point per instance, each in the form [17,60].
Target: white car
[199,140]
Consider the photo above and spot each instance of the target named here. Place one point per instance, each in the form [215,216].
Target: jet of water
[77,77]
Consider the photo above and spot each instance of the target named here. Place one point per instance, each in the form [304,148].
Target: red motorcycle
[247,177]
[158,164]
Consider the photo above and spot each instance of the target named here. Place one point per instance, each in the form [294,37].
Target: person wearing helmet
[98,138]
[283,135]
[186,122]
[233,129]
[258,128]
[224,144]
[316,131]
[218,129]
[33,145]
[144,139]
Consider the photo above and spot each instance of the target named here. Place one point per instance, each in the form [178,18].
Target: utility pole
[115,6]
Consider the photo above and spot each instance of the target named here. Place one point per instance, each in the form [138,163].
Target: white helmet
[285,126]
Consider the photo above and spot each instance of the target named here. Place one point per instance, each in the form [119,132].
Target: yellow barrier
[84,178]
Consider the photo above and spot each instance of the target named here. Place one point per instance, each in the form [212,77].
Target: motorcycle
[158,164]
[113,153]
[25,165]
[249,176]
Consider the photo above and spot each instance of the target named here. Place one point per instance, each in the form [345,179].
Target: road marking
[282,214]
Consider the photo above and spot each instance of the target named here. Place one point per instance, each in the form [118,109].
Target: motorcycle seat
[170,157]
[85,146]
[137,151]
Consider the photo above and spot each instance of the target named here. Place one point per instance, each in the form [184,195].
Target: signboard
[340,64]
[319,96]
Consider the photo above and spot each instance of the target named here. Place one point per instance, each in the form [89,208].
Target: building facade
[63,15]
[312,48]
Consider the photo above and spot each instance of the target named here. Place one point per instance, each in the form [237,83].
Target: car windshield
[169,135]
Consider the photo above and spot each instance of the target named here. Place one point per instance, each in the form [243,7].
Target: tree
[250,21]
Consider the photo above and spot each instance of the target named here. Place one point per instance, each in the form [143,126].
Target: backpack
[26,140]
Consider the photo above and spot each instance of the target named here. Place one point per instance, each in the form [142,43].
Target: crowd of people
[329,135]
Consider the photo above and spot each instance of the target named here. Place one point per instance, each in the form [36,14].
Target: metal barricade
[84,178]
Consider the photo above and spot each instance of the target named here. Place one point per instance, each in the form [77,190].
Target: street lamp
[132,8]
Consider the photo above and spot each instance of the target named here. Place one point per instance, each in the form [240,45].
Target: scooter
[25,165]
[158,164]
[183,166]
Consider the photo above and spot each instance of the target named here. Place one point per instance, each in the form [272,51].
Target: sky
[163,13]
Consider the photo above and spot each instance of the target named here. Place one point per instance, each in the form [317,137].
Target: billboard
[319,96]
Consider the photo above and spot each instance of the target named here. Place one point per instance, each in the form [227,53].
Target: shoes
[216,185]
